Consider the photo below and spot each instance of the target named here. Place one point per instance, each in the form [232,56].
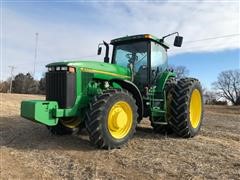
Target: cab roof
[139,37]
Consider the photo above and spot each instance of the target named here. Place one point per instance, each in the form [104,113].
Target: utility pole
[35,54]
[12,68]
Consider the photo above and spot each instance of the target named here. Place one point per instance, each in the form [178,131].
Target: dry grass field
[29,151]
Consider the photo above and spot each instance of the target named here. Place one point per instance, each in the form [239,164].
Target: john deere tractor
[110,98]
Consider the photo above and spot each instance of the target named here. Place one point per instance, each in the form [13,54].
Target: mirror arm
[169,35]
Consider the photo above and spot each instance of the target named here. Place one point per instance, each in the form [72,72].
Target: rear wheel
[66,126]
[187,107]
[111,119]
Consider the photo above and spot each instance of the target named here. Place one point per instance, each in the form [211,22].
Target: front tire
[112,118]
[187,108]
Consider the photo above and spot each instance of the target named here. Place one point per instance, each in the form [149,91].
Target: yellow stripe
[102,72]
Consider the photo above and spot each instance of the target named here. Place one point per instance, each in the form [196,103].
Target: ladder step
[158,100]
[161,123]
[157,109]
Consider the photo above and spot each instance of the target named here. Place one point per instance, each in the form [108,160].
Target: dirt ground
[29,151]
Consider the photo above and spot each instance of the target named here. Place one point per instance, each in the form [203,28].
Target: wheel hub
[120,119]
[195,108]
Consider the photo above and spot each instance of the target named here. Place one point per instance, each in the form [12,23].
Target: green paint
[100,70]
[161,80]
[40,111]
[86,89]
[93,88]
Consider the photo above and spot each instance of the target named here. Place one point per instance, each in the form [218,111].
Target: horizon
[69,30]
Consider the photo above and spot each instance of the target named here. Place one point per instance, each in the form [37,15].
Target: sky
[71,30]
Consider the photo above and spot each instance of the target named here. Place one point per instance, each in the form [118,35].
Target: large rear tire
[112,118]
[187,108]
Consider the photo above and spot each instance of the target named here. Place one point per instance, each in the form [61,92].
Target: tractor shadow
[20,134]
[149,133]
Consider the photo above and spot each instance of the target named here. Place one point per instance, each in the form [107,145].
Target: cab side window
[158,60]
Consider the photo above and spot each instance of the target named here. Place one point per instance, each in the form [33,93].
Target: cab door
[142,67]
[158,61]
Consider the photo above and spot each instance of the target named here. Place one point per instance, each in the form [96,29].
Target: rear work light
[51,69]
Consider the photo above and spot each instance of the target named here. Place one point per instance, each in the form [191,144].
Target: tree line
[225,88]
[24,84]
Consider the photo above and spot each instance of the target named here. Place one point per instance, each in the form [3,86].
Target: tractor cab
[145,55]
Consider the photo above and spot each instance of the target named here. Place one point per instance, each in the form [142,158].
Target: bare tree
[42,85]
[208,96]
[181,71]
[228,86]
[4,85]
[25,84]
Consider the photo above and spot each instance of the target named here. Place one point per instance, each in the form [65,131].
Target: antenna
[12,68]
[35,54]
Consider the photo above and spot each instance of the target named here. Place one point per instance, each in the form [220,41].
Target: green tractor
[110,98]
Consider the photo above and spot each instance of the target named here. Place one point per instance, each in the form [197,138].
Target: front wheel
[187,107]
[111,119]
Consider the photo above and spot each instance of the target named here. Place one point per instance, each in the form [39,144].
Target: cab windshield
[132,53]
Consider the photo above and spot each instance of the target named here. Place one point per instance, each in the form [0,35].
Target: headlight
[50,69]
[64,68]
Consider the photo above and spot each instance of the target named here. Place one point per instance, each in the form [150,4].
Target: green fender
[161,81]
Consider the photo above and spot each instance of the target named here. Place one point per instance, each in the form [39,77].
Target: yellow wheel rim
[120,119]
[195,108]
[71,123]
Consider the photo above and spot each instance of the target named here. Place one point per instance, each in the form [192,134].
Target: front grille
[61,87]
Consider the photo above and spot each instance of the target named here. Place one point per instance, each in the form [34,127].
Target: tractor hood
[99,69]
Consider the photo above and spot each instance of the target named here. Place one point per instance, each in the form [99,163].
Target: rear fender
[161,81]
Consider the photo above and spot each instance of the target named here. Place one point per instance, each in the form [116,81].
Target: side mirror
[99,50]
[178,41]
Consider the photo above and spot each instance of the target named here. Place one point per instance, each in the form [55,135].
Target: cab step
[158,100]
[160,123]
[156,111]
